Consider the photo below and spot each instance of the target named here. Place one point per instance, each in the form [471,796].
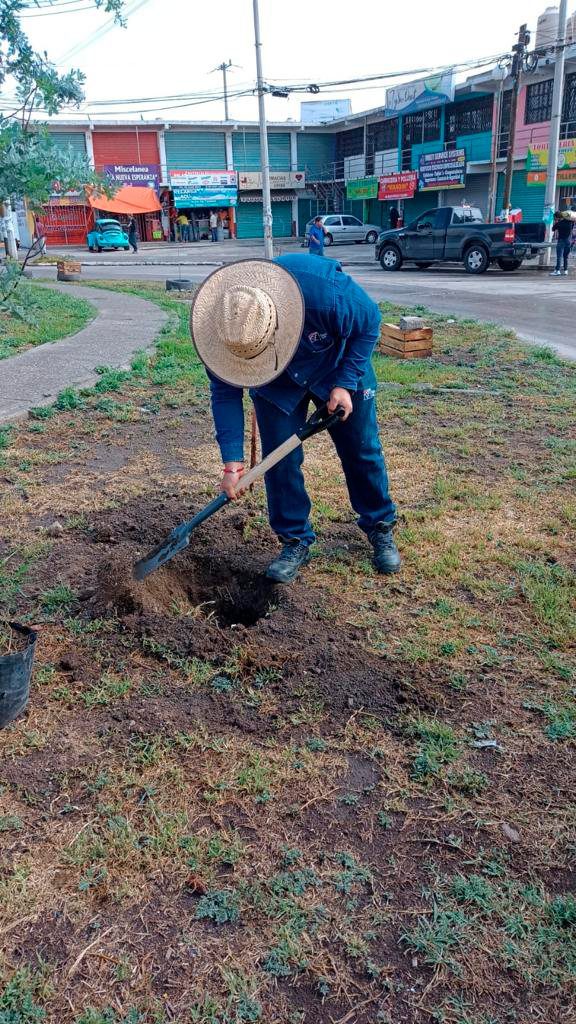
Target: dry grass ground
[348,803]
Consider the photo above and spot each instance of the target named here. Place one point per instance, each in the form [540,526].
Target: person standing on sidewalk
[133,233]
[213,225]
[316,237]
[562,228]
[296,330]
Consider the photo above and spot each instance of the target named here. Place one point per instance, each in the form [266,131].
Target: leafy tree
[30,163]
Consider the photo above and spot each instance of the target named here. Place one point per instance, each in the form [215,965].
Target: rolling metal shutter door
[125,148]
[475,193]
[529,198]
[76,141]
[249,216]
[422,201]
[246,151]
[190,151]
[279,151]
[316,155]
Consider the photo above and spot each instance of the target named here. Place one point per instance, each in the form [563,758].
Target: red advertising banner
[397,186]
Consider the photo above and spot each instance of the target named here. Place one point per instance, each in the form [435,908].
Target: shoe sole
[387,572]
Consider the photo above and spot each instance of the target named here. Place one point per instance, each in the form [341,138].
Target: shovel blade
[175,542]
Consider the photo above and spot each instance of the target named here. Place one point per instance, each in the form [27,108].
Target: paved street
[541,309]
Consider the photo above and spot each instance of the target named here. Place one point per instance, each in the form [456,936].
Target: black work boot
[284,568]
[386,555]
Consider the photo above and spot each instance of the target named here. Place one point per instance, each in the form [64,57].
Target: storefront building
[132,159]
[432,143]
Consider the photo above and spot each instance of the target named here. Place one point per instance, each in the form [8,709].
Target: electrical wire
[95,36]
[52,14]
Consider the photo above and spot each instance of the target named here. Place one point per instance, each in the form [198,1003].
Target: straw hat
[246,322]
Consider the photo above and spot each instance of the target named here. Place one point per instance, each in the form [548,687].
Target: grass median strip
[38,315]
[353,804]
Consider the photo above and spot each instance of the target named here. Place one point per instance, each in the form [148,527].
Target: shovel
[180,536]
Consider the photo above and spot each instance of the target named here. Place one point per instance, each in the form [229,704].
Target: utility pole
[266,201]
[502,74]
[554,146]
[224,67]
[519,51]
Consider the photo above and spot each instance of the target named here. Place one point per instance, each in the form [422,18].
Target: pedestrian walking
[213,225]
[133,233]
[316,237]
[394,218]
[293,331]
[562,228]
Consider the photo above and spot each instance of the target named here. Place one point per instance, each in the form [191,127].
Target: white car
[343,227]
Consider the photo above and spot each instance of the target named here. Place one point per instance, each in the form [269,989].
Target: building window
[350,143]
[469,117]
[568,126]
[383,136]
[423,126]
[539,102]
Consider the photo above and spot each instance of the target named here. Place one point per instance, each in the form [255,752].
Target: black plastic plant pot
[15,673]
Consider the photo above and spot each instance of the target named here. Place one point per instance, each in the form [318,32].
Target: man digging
[293,331]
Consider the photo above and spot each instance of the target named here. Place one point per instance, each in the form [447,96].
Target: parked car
[342,227]
[107,234]
[458,234]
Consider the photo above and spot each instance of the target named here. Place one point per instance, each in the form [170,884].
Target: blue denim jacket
[341,329]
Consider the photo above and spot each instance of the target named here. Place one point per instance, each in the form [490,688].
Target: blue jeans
[563,247]
[316,250]
[358,445]
[214,233]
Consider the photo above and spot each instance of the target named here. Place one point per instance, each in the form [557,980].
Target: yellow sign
[537,155]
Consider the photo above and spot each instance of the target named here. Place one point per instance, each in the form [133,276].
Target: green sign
[362,188]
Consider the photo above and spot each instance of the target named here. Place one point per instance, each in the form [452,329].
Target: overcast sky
[170,46]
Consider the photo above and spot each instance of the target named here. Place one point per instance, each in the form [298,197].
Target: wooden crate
[68,270]
[405,344]
[69,266]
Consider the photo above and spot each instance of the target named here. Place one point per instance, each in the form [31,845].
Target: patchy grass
[50,316]
[360,808]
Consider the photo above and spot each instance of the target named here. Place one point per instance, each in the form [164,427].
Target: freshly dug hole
[195,586]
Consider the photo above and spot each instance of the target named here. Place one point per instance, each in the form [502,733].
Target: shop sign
[362,188]
[442,170]
[322,111]
[184,197]
[420,95]
[143,175]
[537,156]
[564,177]
[203,179]
[278,197]
[252,180]
[398,186]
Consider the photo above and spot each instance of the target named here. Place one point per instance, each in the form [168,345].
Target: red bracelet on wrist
[239,470]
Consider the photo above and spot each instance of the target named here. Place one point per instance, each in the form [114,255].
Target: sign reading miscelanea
[421,94]
[143,175]
[446,169]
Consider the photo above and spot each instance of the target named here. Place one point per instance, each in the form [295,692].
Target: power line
[53,13]
[95,36]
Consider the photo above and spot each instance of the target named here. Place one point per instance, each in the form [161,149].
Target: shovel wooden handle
[257,472]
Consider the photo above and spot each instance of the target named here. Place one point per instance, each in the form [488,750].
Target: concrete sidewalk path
[124,324]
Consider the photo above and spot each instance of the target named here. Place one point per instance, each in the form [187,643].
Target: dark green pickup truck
[458,234]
